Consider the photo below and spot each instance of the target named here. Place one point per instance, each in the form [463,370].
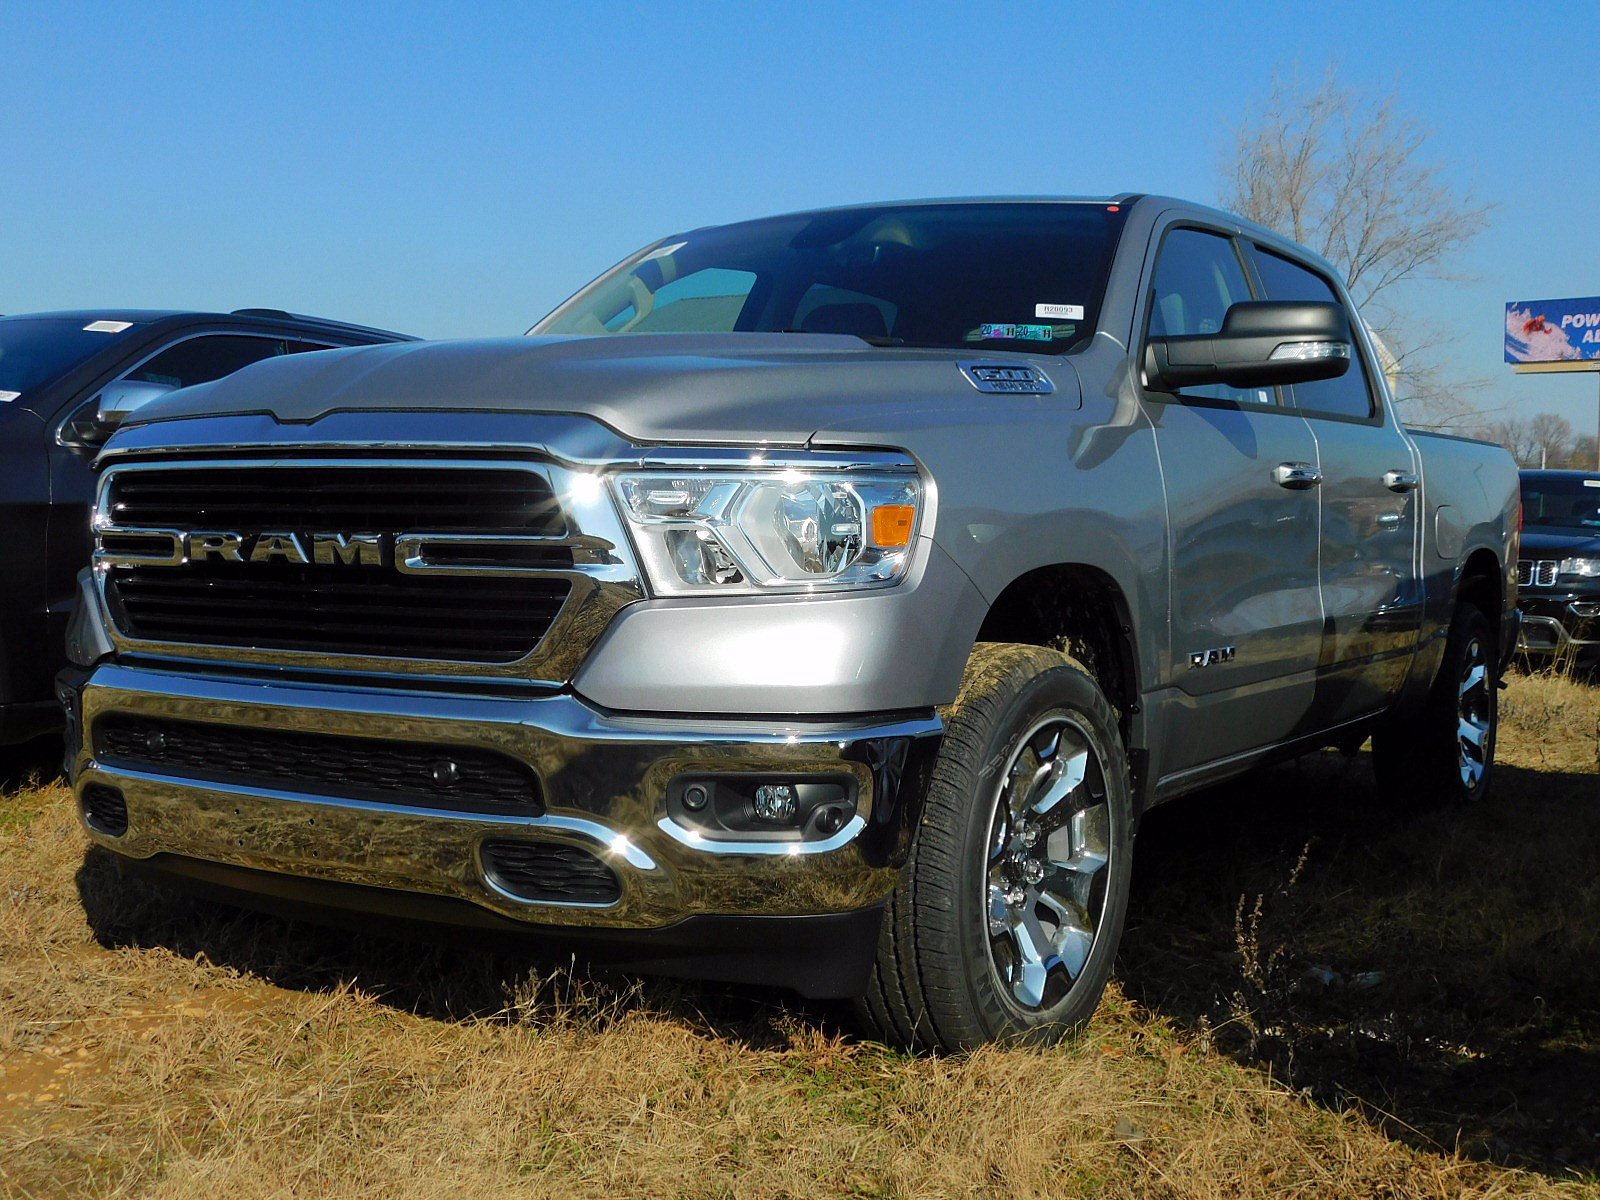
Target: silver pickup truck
[816,601]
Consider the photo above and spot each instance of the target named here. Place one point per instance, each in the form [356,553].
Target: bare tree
[1516,435]
[1552,440]
[1543,440]
[1348,175]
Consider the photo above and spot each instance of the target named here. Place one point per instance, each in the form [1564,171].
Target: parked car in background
[1558,573]
[66,380]
[816,601]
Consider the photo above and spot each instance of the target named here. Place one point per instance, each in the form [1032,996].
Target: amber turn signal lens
[891,524]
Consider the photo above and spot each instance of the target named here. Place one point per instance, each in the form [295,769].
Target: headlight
[771,531]
[1581,568]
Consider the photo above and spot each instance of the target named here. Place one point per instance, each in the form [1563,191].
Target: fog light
[775,802]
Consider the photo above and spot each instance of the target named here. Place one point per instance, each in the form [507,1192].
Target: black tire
[942,980]
[1423,760]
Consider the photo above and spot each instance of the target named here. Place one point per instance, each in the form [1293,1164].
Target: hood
[1545,542]
[744,387]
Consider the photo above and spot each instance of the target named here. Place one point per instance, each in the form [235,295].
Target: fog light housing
[760,808]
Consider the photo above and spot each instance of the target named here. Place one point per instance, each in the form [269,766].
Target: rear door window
[1348,395]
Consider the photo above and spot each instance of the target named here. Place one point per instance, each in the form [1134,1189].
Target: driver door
[1246,612]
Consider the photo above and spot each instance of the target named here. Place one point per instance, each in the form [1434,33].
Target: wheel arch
[1481,582]
[1081,610]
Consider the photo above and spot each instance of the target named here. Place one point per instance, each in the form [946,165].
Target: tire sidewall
[1059,689]
[1469,623]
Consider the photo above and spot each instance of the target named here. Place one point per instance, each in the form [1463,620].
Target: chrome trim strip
[697,841]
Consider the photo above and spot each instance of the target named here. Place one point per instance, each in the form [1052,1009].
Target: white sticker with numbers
[1058,312]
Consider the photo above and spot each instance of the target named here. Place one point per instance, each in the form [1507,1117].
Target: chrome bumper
[604,778]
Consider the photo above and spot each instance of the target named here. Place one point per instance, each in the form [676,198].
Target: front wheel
[1007,915]
[1443,753]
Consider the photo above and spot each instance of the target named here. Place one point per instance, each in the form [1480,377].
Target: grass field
[1318,996]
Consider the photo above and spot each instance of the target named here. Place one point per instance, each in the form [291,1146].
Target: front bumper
[605,780]
[1569,622]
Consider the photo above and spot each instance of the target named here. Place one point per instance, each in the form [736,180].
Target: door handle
[1401,481]
[1296,476]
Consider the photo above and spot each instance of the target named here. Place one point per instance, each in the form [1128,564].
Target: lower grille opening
[452,777]
[105,809]
[550,872]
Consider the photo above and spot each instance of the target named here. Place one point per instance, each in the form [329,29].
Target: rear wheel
[1007,916]
[1444,752]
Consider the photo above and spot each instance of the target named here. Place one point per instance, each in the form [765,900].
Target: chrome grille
[465,568]
[1537,572]
[336,610]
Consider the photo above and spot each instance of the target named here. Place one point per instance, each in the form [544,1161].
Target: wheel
[1006,918]
[1443,753]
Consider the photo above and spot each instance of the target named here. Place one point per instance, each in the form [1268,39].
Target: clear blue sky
[456,170]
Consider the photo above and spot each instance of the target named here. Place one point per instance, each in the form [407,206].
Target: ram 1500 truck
[816,601]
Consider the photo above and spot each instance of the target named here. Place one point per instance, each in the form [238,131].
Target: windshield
[1020,276]
[36,350]
[1571,502]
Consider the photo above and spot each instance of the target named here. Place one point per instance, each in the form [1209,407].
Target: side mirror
[1262,343]
[87,429]
[119,400]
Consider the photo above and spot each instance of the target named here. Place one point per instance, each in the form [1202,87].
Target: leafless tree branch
[1347,174]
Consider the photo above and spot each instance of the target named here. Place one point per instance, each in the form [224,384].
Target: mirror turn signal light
[891,525]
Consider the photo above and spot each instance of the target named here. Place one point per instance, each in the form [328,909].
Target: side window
[1198,276]
[702,301]
[1350,394]
[202,359]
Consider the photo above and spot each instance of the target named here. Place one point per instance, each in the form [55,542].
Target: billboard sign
[1554,332]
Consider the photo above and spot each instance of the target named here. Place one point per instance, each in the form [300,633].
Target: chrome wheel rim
[1474,715]
[1049,846]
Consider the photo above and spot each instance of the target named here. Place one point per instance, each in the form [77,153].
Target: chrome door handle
[1401,481]
[1296,476]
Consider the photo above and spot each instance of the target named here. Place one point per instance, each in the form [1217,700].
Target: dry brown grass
[154,1047]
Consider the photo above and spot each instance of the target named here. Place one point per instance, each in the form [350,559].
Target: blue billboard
[1553,331]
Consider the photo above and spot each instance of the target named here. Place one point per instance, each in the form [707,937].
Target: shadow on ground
[36,761]
[1438,971]
[448,976]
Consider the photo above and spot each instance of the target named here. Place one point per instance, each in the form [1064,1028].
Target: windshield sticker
[1018,333]
[8,397]
[1058,312]
[107,326]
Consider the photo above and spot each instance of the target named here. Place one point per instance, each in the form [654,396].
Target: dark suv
[66,380]
[1558,574]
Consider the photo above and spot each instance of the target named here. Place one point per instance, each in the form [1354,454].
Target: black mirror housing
[1262,343]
